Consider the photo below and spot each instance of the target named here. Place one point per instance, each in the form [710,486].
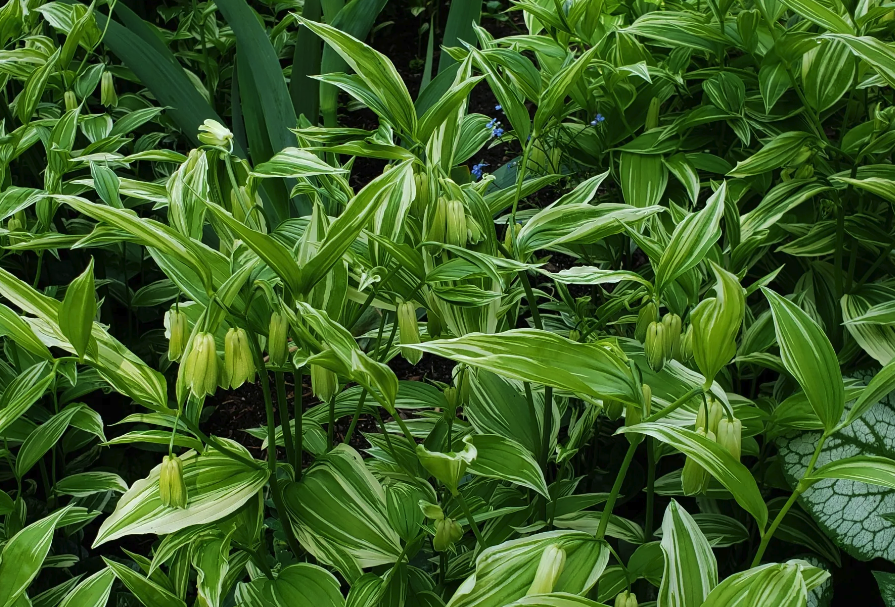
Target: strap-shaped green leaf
[716,460]
[809,357]
[544,358]
[505,459]
[690,570]
[23,556]
[870,469]
[692,239]
[77,311]
[92,592]
[822,15]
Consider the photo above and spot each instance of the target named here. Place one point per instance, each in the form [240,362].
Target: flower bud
[462,382]
[730,436]
[647,399]
[421,202]
[107,95]
[654,346]
[212,132]
[171,486]
[452,396]
[324,383]
[449,467]
[438,221]
[649,312]
[408,331]
[447,532]
[550,567]
[71,101]
[695,478]
[202,367]
[613,408]
[715,413]
[474,233]
[626,599]
[672,338]
[806,171]
[176,332]
[685,349]
[456,224]
[239,366]
[276,339]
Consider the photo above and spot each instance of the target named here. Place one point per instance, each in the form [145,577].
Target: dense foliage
[624,338]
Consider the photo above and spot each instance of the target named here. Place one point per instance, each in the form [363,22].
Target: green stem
[480,541]
[616,488]
[298,412]
[650,487]
[284,418]
[800,488]
[272,447]
[330,430]
[673,406]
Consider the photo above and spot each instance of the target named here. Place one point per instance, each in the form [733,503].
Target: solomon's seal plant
[386,339]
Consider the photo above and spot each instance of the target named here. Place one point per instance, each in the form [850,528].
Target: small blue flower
[498,107]
[597,119]
[493,123]
[497,132]
[478,169]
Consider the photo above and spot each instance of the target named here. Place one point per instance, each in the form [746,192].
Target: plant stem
[298,412]
[800,488]
[480,541]
[284,418]
[272,447]
[673,406]
[616,488]
[650,487]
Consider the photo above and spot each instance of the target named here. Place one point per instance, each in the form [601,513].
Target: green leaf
[735,477]
[872,50]
[348,226]
[776,153]
[217,485]
[34,88]
[691,571]
[554,95]
[293,162]
[23,556]
[377,72]
[92,592]
[827,73]
[299,584]
[819,13]
[544,358]
[505,459]
[716,322]
[505,572]
[850,513]
[88,483]
[24,391]
[126,372]
[886,582]
[643,178]
[43,439]
[462,18]
[879,388]
[280,259]
[78,310]
[783,584]
[147,592]
[339,513]
[12,326]
[868,469]
[692,239]
[809,357]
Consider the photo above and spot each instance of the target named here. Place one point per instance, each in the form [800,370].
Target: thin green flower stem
[616,488]
[363,395]
[673,406]
[298,412]
[330,429]
[650,487]
[480,541]
[214,442]
[800,488]
[284,418]
[272,446]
